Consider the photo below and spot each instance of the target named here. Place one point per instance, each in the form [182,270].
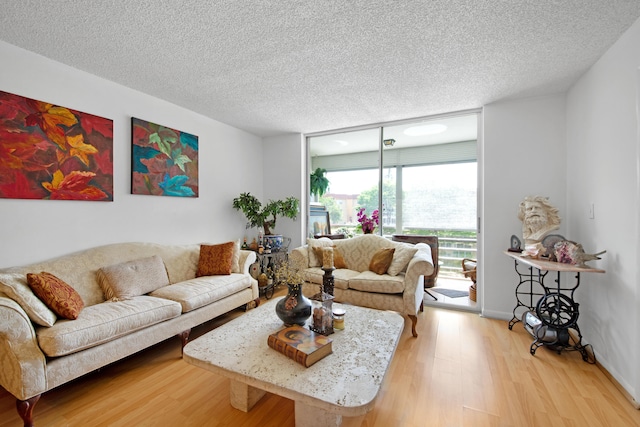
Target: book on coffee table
[300,344]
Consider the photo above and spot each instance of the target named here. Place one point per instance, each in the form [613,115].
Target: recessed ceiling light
[422,130]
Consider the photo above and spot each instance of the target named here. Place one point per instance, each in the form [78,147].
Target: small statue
[515,244]
[538,218]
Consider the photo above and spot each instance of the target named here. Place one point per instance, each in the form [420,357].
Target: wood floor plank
[462,370]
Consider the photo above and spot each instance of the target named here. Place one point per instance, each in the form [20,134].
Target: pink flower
[368,224]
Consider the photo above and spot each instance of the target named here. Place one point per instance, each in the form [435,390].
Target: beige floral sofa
[40,351]
[398,287]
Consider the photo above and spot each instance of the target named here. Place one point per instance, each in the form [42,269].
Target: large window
[421,176]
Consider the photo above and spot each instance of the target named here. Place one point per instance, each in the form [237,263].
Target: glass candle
[338,318]
[327,258]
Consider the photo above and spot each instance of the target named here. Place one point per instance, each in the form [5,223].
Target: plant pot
[295,308]
[275,241]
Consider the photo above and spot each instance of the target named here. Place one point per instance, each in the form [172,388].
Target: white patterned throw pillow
[401,257]
[14,285]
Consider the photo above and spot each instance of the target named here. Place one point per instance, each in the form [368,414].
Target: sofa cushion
[338,259]
[198,292]
[104,322]
[401,257]
[314,261]
[61,298]
[14,285]
[124,281]
[215,259]
[381,260]
[368,281]
[341,277]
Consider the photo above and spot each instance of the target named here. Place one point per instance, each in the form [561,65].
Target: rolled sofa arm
[246,259]
[23,369]
[299,258]
[420,265]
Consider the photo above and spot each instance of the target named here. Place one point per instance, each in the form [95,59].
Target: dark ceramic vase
[295,308]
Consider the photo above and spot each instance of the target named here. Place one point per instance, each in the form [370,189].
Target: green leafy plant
[318,182]
[258,215]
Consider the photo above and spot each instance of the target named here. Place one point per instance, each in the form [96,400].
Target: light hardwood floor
[462,370]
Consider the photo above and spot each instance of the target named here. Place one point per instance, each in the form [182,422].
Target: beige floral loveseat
[40,351]
[398,287]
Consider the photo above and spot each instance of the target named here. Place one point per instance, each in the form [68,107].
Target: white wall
[602,168]
[284,176]
[523,152]
[230,162]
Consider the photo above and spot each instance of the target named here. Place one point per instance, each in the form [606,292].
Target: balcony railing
[452,251]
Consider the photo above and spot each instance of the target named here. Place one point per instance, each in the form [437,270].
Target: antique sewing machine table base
[550,311]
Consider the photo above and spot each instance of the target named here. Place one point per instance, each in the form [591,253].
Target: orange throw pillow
[215,259]
[61,298]
[381,260]
[338,259]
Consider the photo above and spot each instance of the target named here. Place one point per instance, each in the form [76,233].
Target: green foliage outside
[368,199]
[335,212]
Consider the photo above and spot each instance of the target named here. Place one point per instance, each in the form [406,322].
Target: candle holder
[328,280]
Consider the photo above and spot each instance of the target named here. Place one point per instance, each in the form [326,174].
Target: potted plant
[366,224]
[318,183]
[265,216]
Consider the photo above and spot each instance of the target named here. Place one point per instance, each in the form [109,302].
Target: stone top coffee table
[340,387]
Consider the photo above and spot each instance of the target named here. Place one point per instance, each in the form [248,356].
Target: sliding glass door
[420,175]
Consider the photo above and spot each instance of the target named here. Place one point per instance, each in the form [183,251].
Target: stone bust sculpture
[538,218]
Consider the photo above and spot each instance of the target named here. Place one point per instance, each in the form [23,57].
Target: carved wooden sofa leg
[25,409]
[184,337]
[414,321]
[252,304]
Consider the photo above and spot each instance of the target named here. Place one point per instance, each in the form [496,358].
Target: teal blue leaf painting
[164,161]
[174,186]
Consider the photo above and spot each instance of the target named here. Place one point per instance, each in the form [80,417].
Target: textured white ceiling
[279,66]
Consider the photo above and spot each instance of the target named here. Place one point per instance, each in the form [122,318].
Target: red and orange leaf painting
[52,152]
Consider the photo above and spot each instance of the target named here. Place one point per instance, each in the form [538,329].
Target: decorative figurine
[539,218]
[515,244]
[569,252]
[548,244]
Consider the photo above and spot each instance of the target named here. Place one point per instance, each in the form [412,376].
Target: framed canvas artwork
[53,152]
[319,222]
[164,160]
